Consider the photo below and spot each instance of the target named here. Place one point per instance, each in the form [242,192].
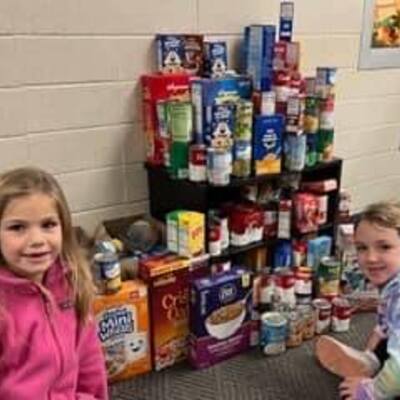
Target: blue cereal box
[180,53]
[216,59]
[170,53]
[268,131]
[220,317]
[207,92]
[259,42]
[222,126]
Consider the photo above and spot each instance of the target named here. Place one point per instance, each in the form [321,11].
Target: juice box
[123,329]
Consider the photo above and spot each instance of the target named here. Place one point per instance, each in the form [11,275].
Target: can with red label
[285,286]
[323,312]
[341,314]
[198,163]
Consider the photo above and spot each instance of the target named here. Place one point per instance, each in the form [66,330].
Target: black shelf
[167,194]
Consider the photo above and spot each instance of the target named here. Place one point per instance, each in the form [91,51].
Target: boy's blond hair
[29,180]
[385,214]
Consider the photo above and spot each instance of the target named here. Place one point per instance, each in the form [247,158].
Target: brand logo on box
[115,322]
[227,293]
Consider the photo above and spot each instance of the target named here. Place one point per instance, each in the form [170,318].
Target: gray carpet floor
[249,376]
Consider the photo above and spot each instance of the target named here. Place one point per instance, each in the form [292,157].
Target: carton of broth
[220,317]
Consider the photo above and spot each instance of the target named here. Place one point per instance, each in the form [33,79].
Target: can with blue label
[311,150]
[273,333]
[295,152]
[110,271]
[219,166]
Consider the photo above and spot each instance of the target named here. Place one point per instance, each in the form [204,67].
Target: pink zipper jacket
[45,354]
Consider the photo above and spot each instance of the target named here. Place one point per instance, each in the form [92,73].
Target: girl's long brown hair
[29,180]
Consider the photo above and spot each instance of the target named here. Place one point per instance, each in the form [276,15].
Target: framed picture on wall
[380,36]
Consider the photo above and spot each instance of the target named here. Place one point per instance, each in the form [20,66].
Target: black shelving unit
[167,194]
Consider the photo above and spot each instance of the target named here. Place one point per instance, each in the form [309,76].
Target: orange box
[167,277]
[123,328]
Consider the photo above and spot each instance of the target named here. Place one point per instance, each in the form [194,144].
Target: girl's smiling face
[30,235]
[378,252]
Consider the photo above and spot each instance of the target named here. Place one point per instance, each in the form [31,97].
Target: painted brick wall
[70,101]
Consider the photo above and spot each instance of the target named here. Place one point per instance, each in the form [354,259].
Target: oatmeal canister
[273,333]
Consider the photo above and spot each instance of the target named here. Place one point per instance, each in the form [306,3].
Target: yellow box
[123,328]
[191,233]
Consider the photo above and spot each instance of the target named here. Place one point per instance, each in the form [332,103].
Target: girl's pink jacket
[45,354]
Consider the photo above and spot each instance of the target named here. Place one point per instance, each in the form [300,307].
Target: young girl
[374,373]
[48,343]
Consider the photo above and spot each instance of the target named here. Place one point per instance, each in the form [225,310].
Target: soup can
[341,314]
[295,329]
[273,333]
[110,271]
[198,163]
[328,277]
[308,319]
[219,165]
[323,312]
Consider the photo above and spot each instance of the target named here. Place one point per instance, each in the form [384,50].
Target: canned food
[180,117]
[341,314]
[325,82]
[110,271]
[219,164]
[308,318]
[273,333]
[325,145]
[295,152]
[244,120]
[323,312]
[328,277]
[241,159]
[295,329]
[198,163]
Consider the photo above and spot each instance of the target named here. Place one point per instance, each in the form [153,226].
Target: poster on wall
[380,35]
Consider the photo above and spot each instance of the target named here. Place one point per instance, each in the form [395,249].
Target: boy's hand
[348,388]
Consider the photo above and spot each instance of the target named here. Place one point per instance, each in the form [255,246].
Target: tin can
[110,271]
[197,163]
[308,318]
[326,113]
[311,150]
[295,114]
[179,160]
[241,159]
[244,120]
[325,82]
[295,329]
[268,100]
[273,333]
[286,21]
[266,291]
[325,145]
[322,209]
[328,277]
[219,164]
[303,281]
[341,314]
[285,286]
[180,117]
[214,239]
[311,115]
[295,152]
[323,312]
[310,86]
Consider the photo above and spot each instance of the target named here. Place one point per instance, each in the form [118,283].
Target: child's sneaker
[343,360]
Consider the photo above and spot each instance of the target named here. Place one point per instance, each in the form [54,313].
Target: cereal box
[208,92]
[180,53]
[220,317]
[123,329]
[168,278]
[268,131]
[160,88]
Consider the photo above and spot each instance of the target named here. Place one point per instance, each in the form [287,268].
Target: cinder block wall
[70,100]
